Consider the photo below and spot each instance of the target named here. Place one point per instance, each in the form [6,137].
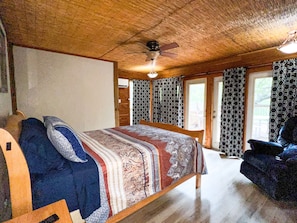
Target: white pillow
[64,139]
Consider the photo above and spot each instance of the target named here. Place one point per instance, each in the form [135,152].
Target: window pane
[216,118]
[196,106]
[261,106]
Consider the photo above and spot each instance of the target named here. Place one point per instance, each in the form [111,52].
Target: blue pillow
[65,140]
[40,154]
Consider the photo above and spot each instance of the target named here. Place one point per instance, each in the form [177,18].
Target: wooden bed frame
[19,176]
[197,134]
[18,172]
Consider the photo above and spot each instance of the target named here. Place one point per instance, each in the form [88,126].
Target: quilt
[138,161]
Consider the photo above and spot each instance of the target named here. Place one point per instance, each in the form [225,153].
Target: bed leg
[198,180]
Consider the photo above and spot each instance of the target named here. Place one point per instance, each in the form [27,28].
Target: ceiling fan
[154,50]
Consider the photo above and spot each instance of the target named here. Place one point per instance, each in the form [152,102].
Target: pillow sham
[40,154]
[65,140]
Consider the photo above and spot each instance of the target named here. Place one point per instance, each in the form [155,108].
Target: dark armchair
[273,165]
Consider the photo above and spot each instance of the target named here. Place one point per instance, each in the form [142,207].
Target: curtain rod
[221,71]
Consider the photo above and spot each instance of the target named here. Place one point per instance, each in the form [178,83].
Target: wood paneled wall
[251,59]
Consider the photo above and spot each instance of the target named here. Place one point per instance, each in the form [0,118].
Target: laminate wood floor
[225,196]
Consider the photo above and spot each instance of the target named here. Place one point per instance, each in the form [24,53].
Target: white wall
[76,89]
[5,98]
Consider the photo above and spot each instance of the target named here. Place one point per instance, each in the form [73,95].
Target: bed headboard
[13,124]
[18,172]
[197,134]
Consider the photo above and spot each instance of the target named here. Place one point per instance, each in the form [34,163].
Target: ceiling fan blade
[168,54]
[169,46]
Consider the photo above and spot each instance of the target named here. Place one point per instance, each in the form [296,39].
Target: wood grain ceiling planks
[118,30]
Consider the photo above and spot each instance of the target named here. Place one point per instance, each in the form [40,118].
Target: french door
[199,93]
[195,101]
[257,123]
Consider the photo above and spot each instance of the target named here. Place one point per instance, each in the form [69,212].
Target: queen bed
[105,174]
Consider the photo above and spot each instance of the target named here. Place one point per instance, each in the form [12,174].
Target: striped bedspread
[138,161]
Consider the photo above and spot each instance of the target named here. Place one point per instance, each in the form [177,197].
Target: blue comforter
[77,183]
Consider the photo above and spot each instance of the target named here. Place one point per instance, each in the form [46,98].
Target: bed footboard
[197,134]
[198,180]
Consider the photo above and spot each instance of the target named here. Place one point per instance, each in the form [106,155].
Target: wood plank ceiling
[118,30]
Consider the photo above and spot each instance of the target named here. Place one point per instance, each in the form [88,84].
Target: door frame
[216,80]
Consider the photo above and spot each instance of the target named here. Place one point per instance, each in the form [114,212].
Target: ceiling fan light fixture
[290,44]
[152,74]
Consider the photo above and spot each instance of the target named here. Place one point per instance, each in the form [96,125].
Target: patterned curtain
[141,101]
[283,95]
[232,117]
[168,101]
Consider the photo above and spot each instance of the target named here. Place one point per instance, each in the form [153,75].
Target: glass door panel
[257,124]
[195,101]
[216,118]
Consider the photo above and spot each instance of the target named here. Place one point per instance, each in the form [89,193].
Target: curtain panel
[283,95]
[232,116]
[141,101]
[168,101]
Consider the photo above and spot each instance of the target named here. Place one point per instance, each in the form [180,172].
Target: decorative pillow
[64,139]
[40,154]
[288,153]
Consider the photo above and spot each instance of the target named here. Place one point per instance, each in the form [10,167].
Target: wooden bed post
[198,180]
[18,173]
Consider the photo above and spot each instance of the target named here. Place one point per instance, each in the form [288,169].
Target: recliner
[273,165]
